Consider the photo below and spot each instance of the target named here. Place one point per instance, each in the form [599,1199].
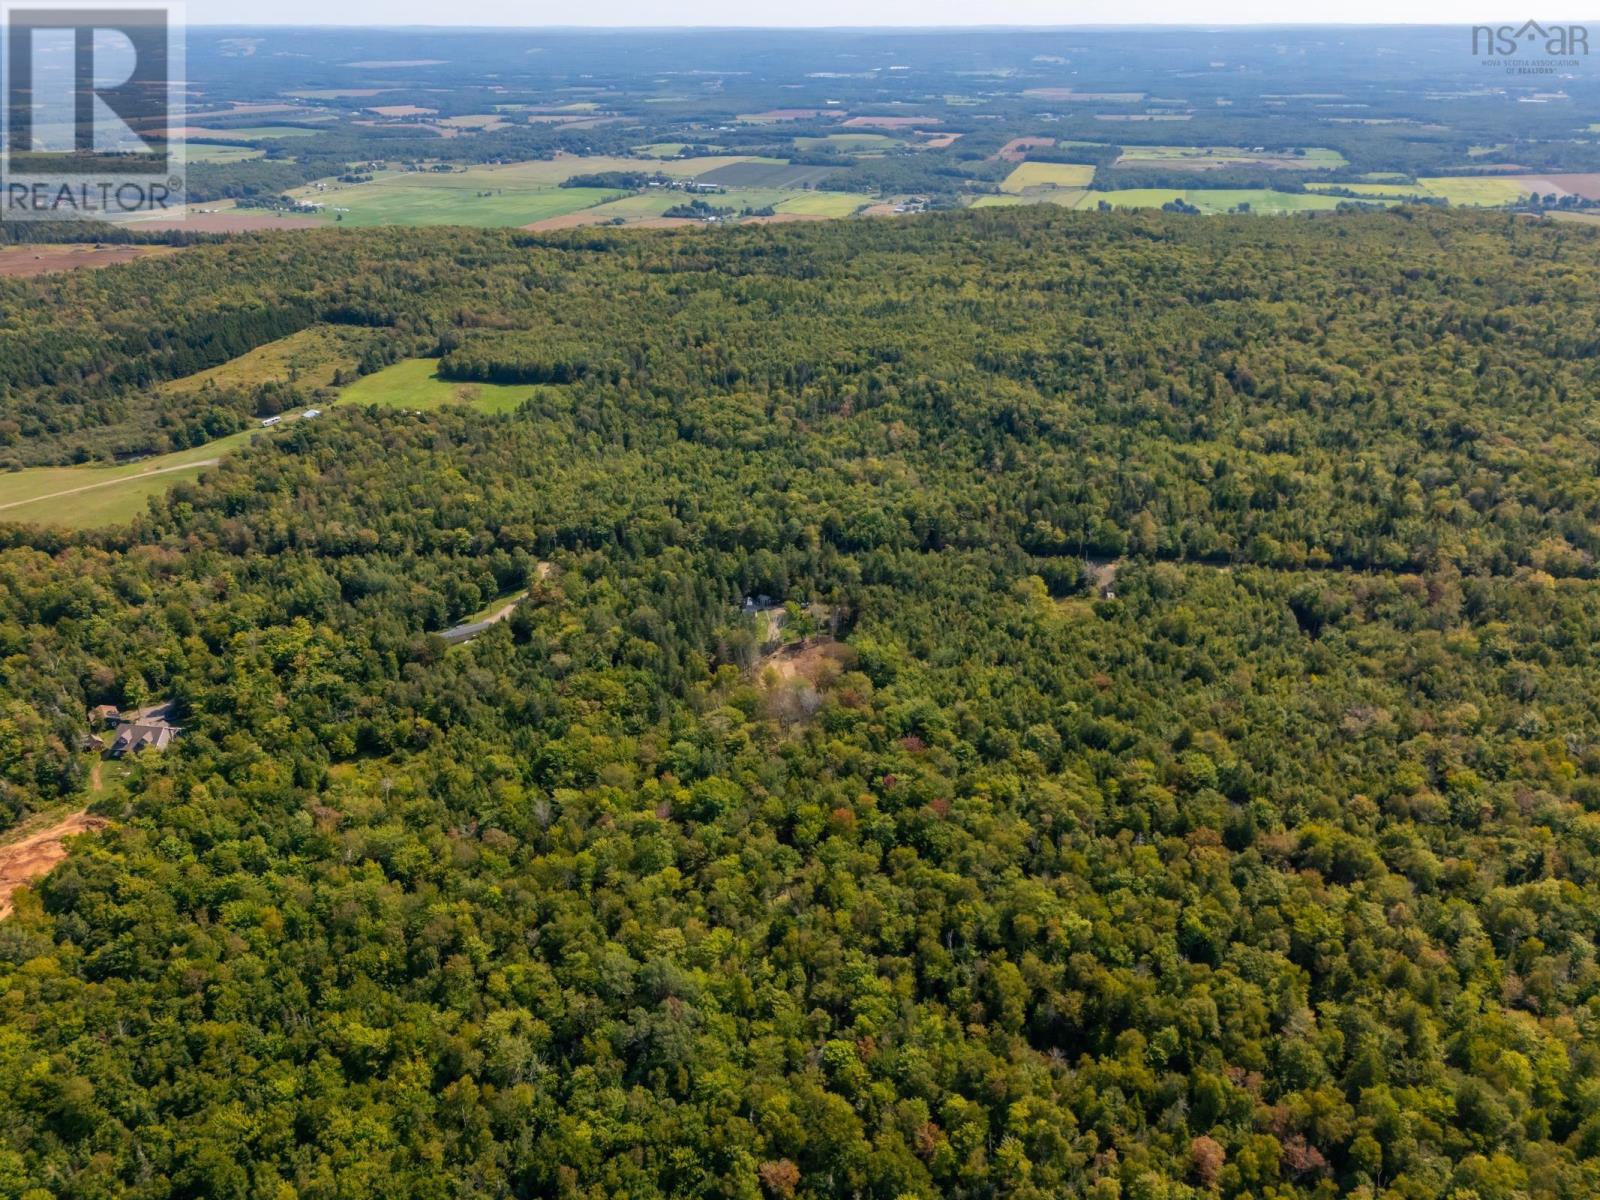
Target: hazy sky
[855,12]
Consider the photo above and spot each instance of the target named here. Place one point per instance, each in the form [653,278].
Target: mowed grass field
[1047,175]
[92,495]
[414,384]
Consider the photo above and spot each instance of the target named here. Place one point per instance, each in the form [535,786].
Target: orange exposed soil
[229,222]
[34,856]
[813,660]
[43,260]
[1017,148]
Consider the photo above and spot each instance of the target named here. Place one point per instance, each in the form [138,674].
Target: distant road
[89,487]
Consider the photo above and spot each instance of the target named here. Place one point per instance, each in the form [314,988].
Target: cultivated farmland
[1037,175]
[765,172]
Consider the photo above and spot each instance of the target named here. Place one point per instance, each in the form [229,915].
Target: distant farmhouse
[141,729]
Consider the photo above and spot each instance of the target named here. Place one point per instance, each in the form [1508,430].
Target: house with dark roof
[135,736]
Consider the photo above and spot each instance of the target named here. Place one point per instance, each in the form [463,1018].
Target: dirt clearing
[229,222]
[28,260]
[1017,148]
[32,857]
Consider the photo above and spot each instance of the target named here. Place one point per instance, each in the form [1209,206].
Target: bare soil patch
[32,857]
[44,260]
[813,660]
[1585,185]
[228,222]
[1017,148]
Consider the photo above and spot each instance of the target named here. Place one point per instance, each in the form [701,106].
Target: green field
[645,206]
[487,196]
[92,495]
[846,142]
[197,152]
[466,199]
[413,384]
[1213,201]
[1047,175]
[822,204]
[1314,158]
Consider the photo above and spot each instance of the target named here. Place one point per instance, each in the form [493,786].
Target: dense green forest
[1182,777]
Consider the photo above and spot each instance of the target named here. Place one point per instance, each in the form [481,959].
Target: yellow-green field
[308,358]
[1061,197]
[1211,201]
[1482,191]
[821,204]
[197,152]
[1473,191]
[1376,191]
[649,206]
[1047,175]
